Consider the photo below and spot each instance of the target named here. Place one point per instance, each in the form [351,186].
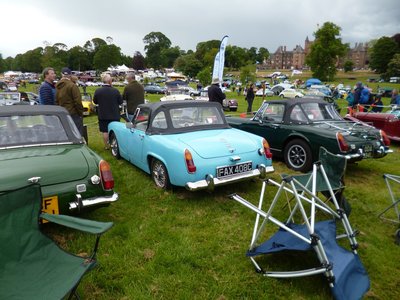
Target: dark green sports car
[296,128]
[40,143]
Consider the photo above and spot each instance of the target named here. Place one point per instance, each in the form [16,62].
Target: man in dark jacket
[69,97]
[108,100]
[133,94]
[47,91]
[215,93]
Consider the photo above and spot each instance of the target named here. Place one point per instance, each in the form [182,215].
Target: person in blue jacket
[47,91]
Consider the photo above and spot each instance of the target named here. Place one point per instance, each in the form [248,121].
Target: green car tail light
[107,179]
[343,145]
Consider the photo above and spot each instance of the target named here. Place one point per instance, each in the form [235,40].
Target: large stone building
[295,59]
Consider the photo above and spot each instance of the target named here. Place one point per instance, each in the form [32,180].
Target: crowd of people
[108,99]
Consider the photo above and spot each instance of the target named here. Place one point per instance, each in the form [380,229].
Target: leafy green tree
[381,53]
[393,68]
[188,64]
[107,55]
[204,76]
[348,66]
[235,57]
[203,48]
[252,54]
[247,74]
[53,57]
[79,58]
[138,61]
[262,54]
[155,43]
[2,64]
[169,56]
[30,61]
[325,51]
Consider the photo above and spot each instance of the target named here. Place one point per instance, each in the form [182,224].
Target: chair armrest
[89,226]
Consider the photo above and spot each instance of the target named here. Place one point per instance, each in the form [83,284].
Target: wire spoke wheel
[159,174]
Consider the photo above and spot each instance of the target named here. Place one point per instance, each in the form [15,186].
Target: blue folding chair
[343,269]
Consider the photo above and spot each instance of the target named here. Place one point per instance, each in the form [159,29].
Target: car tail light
[385,138]
[343,145]
[189,162]
[266,149]
[107,179]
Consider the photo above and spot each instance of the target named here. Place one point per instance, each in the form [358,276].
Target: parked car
[277,89]
[388,121]
[87,102]
[41,143]
[394,79]
[154,89]
[227,104]
[291,93]
[175,94]
[31,98]
[190,144]
[266,92]
[9,98]
[297,128]
[385,91]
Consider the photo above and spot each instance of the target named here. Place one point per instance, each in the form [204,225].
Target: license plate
[368,150]
[235,169]
[50,205]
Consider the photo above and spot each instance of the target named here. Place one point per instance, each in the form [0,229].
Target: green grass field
[177,244]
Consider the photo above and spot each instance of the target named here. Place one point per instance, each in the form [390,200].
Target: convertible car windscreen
[195,116]
[38,129]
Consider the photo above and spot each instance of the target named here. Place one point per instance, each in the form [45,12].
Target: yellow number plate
[50,205]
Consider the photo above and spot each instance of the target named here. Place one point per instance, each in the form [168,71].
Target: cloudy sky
[27,24]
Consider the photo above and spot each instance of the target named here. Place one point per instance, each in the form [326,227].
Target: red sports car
[389,121]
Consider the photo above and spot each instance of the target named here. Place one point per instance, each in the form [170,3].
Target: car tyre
[159,174]
[297,155]
[282,96]
[114,146]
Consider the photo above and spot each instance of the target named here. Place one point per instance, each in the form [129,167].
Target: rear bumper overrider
[210,182]
[80,204]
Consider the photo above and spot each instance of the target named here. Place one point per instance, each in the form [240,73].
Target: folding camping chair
[393,185]
[343,269]
[32,265]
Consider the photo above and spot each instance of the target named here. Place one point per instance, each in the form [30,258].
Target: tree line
[98,54]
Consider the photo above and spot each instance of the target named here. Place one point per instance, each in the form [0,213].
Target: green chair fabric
[32,266]
[335,168]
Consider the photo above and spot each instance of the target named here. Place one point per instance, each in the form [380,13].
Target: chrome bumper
[80,203]
[210,182]
[381,152]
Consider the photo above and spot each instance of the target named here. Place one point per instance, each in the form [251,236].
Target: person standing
[215,93]
[69,97]
[133,95]
[395,99]
[250,97]
[47,91]
[108,100]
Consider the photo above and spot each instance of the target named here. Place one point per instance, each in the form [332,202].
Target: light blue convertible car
[190,144]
